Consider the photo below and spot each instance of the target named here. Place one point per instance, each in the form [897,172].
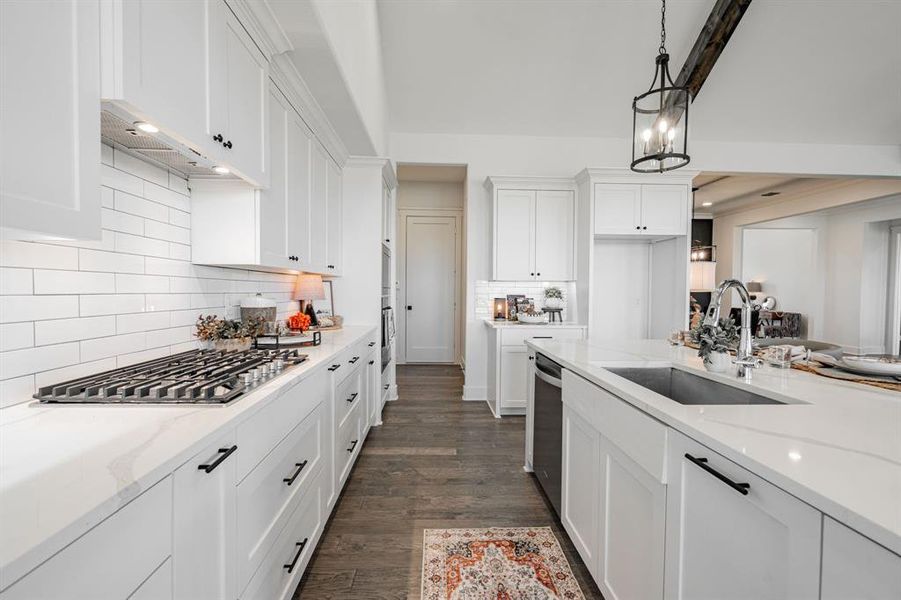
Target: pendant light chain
[663,28]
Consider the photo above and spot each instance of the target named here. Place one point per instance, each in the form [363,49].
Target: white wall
[430,194]
[784,262]
[69,309]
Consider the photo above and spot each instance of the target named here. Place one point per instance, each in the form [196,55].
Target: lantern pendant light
[660,118]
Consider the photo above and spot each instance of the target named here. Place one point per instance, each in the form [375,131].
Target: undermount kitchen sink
[685,388]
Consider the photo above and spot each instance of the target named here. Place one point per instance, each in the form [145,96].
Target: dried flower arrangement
[721,337]
[210,328]
[553,292]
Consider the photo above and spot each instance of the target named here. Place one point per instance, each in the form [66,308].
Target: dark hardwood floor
[436,462]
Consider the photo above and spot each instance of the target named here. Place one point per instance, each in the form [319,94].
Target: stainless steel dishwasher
[547,437]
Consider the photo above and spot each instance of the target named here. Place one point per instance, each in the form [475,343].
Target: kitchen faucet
[744,356]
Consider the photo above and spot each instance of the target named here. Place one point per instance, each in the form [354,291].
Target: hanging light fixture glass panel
[660,124]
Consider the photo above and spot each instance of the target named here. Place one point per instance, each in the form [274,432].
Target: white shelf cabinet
[856,567]
[640,209]
[191,69]
[49,93]
[533,229]
[723,544]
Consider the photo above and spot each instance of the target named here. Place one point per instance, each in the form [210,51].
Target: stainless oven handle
[558,383]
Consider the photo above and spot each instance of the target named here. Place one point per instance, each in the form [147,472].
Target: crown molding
[286,77]
[389,176]
[265,30]
[530,182]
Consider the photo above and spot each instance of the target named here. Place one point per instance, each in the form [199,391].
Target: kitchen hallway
[436,462]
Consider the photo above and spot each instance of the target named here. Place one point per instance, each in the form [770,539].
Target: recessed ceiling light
[146,127]
[221,170]
[706,203]
[768,194]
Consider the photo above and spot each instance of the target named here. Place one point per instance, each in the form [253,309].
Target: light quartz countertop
[836,446]
[505,324]
[65,468]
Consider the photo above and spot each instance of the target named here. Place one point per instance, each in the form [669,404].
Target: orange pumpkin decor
[299,321]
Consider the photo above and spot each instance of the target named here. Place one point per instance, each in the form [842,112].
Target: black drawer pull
[354,359]
[542,337]
[300,546]
[300,466]
[217,138]
[228,144]
[371,362]
[224,453]
[371,344]
[741,488]
[353,445]
[385,387]
[334,367]
[352,397]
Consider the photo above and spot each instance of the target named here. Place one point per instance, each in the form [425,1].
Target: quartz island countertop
[506,324]
[66,467]
[835,445]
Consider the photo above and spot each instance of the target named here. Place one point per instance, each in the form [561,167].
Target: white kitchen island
[652,489]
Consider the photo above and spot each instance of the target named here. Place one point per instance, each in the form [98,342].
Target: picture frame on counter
[325,307]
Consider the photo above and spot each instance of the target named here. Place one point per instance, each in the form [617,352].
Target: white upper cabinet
[274,201]
[554,240]
[533,229]
[238,88]
[335,218]
[319,209]
[50,93]
[640,209]
[300,147]
[191,69]
[514,235]
[154,62]
[725,544]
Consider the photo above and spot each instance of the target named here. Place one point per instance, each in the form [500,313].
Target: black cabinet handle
[353,445]
[371,362]
[354,359]
[334,367]
[371,344]
[228,144]
[531,358]
[385,387]
[223,454]
[538,274]
[542,337]
[532,274]
[741,488]
[409,307]
[300,546]
[352,397]
[300,466]
[388,241]
[217,138]
[645,227]
[638,227]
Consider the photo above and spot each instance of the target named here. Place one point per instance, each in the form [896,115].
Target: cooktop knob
[264,370]
[279,364]
[247,378]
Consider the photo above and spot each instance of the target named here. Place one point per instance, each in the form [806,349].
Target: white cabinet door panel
[50,94]
[856,568]
[723,545]
[319,208]
[274,201]
[335,218]
[158,586]
[514,367]
[204,523]
[617,209]
[581,481]
[299,219]
[664,210]
[554,235]
[514,235]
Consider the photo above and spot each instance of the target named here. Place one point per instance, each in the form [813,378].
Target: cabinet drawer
[269,493]
[347,444]
[856,567]
[349,361]
[348,394]
[97,565]
[158,586]
[284,564]
[638,436]
[259,434]
[518,336]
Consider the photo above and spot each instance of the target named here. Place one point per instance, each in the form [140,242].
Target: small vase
[553,303]
[717,362]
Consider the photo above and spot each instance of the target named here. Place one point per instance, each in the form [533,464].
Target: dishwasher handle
[548,379]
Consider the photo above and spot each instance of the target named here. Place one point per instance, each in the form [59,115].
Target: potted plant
[227,335]
[553,297]
[714,343]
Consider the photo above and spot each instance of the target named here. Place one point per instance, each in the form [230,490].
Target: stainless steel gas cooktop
[193,377]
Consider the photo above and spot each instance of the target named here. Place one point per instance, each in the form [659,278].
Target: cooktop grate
[193,377]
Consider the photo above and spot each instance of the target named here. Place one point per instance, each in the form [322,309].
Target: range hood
[117,128]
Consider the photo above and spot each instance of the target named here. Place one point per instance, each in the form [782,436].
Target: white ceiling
[725,192]
[826,71]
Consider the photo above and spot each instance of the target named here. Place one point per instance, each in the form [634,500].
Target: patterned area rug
[497,563]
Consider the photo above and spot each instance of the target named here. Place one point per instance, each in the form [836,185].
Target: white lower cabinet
[158,586]
[203,523]
[723,544]
[856,568]
[112,560]
[581,493]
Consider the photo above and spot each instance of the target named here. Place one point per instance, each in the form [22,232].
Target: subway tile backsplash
[68,309]
[486,291]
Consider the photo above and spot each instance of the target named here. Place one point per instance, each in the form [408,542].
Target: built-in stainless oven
[547,435]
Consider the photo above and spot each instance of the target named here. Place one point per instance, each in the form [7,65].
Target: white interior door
[430,277]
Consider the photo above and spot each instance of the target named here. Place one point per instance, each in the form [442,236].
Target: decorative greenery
[715,338]
[553,292]
[210,328]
